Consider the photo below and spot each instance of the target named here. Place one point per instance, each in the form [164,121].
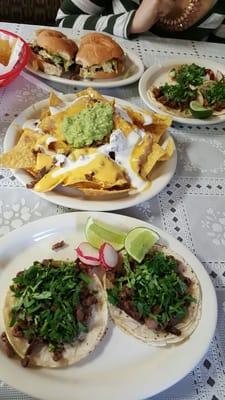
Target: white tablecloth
[191,207]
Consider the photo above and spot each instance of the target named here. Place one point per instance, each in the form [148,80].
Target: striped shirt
[115,17]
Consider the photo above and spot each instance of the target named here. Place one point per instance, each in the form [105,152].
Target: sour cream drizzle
[33,125]
[50,139]
[123,147]
[147,119]
[123,114]
[71,165]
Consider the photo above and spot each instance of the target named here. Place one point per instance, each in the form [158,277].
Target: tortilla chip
[123,125]
[87,185]
[5,51]
[43,161]
[155,155]
[32,171]
[92,94]
[169,149]
[44,113]
[140,153]
[54,100]
[59,146]
[104,194]
[100,170]
[49,182]
[22,155]
[137,117]
[83,151]
[159,127]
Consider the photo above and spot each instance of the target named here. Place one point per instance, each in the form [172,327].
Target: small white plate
[121,367]
[134,69]
[65,196]
[157,75]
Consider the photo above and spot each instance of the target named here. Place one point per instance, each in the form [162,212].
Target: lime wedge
[198,111]
[139,241]
[98,232]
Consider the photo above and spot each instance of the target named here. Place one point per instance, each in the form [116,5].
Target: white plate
[133,72]
[65,196]
[157,75]
[134,69]
[121,367]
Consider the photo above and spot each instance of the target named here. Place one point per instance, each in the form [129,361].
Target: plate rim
[36,225]
[104,84]
[142,89]
[75,202]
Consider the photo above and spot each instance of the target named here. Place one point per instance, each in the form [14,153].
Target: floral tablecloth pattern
[191,207]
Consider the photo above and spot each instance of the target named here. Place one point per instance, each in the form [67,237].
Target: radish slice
[108,256]
[87,254]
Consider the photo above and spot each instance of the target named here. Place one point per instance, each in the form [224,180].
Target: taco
[182,86]
[212,94]
[172,98]
[158,300]
[54,314]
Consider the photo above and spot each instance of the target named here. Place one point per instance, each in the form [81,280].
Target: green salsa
[90,125]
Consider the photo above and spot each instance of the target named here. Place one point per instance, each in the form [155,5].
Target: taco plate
[172,88]
[121,365]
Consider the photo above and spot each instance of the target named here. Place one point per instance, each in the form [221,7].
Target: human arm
[127,19]
[148,13]
[80,14]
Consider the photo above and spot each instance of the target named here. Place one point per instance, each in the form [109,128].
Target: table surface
[191,207]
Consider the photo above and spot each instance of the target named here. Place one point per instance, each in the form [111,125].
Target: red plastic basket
[5,79]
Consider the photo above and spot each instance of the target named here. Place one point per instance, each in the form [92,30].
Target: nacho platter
[88,192]
[104,369]
[158,76]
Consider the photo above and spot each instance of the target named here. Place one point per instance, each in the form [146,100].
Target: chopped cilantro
[47,297]
[155,285]
[214,93]
[190,74]
[178,93]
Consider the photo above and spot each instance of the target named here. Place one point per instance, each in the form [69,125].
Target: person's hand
[149,12]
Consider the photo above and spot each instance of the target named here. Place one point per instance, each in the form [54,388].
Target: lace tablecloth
[191,207]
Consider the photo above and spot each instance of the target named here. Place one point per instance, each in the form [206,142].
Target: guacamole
[89,125]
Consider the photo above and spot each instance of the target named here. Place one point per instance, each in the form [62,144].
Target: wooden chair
[38,12]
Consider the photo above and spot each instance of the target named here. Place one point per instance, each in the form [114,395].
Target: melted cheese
[52,123]
[123,147]
[105,172]
[33,124]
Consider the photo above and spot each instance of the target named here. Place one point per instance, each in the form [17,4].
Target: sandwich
[100,57]
[52,52]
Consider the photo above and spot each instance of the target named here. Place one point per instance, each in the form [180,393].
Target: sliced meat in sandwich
[52,52]
[100,57]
